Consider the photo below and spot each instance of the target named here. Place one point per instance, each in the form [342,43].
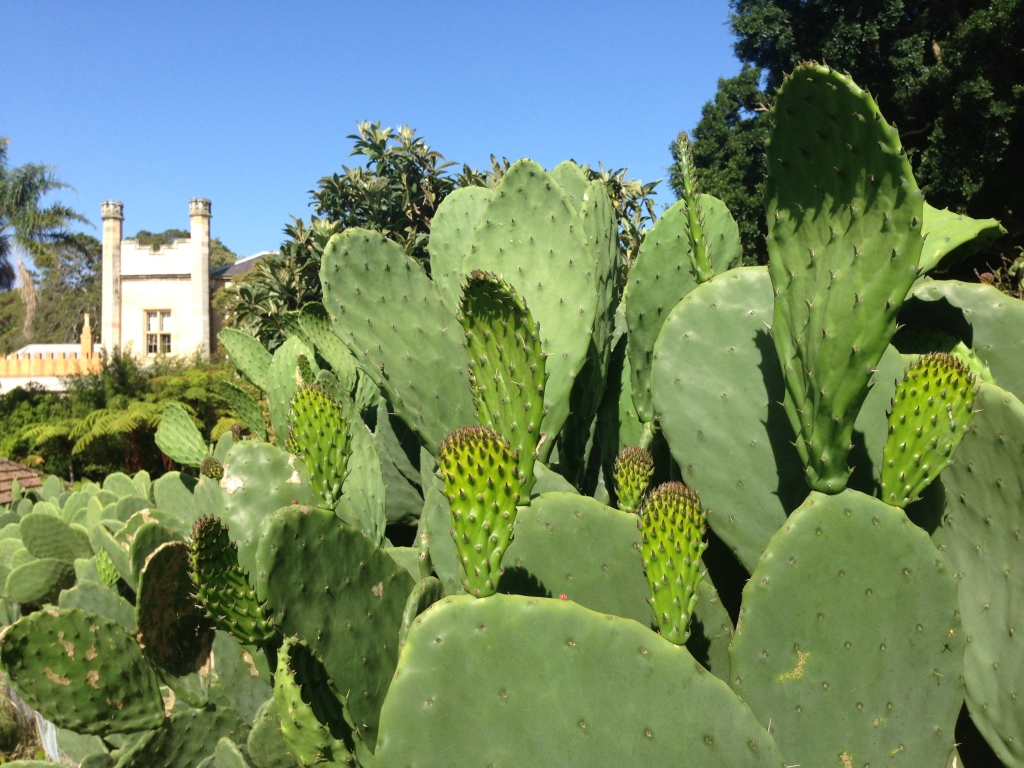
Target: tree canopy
[950,74]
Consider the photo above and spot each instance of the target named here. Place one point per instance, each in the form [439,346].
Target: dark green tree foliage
[949,74]
[69,285]
[220,254]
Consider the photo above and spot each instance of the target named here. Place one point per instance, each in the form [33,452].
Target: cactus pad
[849,641]
[548,682]
[482,484]
[982,537]
[106,569]
[931,412]
[451,233]
[186,738]
[506,365]
[319,435]
[633,469]
[266,746]
[342,596]
[178,437]
[174,631]
[47,536]
[313,725]
[82,671]
[222,587]
[672,526]
[844,240]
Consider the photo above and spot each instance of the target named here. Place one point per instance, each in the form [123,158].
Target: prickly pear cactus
[248,355]
[482,483]
[982,538]
[950,237]
[451,233]
[313,724]
[211,468]
[931,413]
[844,240]
[178,437]
[82,671]
[564,686]
[633,469]
[106,569]
[223,589]
[319,435]
[849,640]
[506,365]
[285,377]
[672,526]
[245,406]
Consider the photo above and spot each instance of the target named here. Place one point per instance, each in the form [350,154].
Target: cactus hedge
[521,508]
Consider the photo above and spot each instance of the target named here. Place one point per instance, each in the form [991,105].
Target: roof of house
[27,478]
[241,266]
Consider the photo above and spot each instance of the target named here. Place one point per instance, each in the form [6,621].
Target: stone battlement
[38,364]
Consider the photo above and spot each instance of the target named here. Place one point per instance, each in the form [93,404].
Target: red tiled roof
[27,478]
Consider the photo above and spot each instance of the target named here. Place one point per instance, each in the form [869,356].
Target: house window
[158,331]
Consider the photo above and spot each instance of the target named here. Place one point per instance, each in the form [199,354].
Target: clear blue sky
[249,103]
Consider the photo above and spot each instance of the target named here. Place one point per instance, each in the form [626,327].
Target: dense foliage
[950,75]
[106,422]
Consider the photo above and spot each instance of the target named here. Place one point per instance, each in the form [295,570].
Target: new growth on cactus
[672,527]
[698,248]
[482,482]
[633,469]
[319,434]
[931,413]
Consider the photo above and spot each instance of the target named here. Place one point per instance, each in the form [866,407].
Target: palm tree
[23,222]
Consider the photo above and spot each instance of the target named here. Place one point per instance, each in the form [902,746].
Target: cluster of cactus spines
[633,470]
[404,336]
[844,240]
[320,435]
[595,690]
[211,468]
[532,236]
[506,365]
[931,413]
[672,528]
[482,482]
[223,589]
[698,248]
[306,370]
[311,716]
[982,539]
[850,640]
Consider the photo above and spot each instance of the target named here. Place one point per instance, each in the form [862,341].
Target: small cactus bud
[211,468]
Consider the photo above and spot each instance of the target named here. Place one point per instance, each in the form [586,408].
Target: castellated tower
[156,301]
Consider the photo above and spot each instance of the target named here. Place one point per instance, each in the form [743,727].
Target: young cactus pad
[633,469]
[222,587]
[506,365]
[931,412]
[482,483]
[672,527]
[319,435]
[844,240]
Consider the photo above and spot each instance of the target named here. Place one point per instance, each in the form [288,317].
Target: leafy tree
[950,74]
[24,221]
[396,191]
[70,284]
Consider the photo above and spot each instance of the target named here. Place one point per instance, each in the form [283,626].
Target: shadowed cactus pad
[506,365]
[482,483]
[633,469]
[672,527]
[222,587]
[320,436]
[931,413]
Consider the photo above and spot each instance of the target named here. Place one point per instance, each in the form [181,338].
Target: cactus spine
[672,527]
[482,483]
